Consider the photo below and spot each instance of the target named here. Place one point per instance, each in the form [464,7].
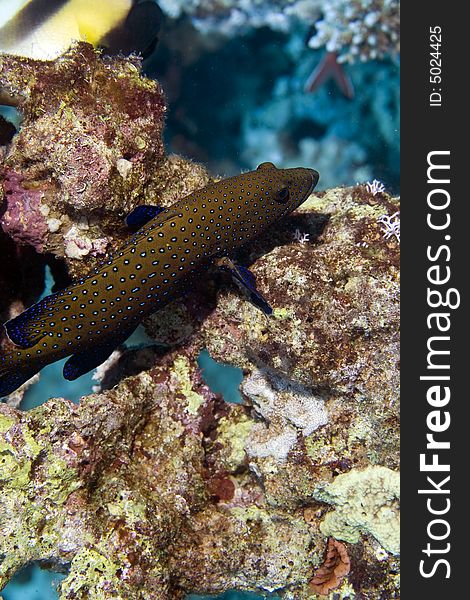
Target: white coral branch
[390,226]
[303,238]
[376,187]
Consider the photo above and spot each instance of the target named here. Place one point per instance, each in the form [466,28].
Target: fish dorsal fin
[160,218]
[141,215]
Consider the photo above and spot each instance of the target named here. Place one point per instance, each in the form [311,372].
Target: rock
[88,151]
[118,487]
[335,299]
[334,336]
[157,488]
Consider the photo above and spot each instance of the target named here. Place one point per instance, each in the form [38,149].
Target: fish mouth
[315,175]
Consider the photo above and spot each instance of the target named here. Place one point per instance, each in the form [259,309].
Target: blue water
[52,382]
[222,379]
[33,583]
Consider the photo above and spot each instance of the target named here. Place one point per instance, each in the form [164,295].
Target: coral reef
[117,487]
[323,129]
[157,488]
[328,299]
[365,501]
[89,150]
[230,17]
[359,30]
[263,113]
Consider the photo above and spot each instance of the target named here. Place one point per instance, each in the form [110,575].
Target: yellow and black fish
[91,317]
[44,29]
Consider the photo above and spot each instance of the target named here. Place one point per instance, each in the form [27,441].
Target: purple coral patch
[23,220]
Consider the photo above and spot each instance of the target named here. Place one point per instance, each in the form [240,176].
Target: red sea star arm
[327,68]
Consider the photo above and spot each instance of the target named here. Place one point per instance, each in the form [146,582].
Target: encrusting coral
[118,488]
[157,488]
[365,501]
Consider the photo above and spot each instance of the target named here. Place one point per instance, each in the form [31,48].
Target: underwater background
[235,76]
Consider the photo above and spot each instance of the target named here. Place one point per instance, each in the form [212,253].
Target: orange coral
[336,565]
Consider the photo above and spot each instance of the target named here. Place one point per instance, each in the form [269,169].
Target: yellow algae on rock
[183,384]
[92,574]
[233,434]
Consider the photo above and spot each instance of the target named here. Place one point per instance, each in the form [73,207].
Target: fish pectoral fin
[142,214]
[246,281]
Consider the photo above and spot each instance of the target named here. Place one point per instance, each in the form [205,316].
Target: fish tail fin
[15,369]
[29,327]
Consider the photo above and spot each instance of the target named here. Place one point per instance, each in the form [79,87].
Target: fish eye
[282,195]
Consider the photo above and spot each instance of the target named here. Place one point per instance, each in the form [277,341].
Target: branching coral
[359,29]
[355,29]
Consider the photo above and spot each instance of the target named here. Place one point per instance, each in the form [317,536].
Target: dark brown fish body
[93,316]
